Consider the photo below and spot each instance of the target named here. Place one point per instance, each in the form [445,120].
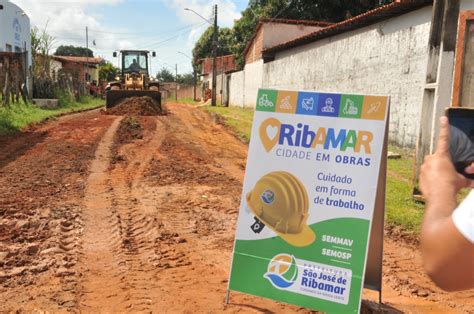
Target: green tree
[319,10]
[203,47]
[73,51]
[165,75]
[187,79]
[41,44]
[107,71]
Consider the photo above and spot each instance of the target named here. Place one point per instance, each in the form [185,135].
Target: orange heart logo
[269,133]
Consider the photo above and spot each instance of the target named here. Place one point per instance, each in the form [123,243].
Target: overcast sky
[160,25]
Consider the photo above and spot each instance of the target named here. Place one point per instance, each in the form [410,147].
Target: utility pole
[222,81]
[214,60]
[195,83]
[86,73]
[176,79]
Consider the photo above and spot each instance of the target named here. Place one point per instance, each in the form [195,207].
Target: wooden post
[6,88]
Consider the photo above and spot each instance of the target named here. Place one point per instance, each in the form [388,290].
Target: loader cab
[134,62]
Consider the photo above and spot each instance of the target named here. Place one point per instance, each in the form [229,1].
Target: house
[415,51]
[83,68]
[15,29]
[272,32]
[267,34]
[15,36]
[224,64]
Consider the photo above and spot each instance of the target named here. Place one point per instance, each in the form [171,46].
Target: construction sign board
[308,198]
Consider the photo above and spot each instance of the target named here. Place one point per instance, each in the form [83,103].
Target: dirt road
[98,214]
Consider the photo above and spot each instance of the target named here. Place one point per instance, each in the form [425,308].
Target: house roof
[296,22]
[78,59]
[283,21]
[227,61]
[396,8]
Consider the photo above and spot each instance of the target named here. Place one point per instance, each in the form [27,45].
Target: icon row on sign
[322,104]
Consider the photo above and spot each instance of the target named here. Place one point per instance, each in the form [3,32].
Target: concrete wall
[386,58]
[245,84]
[236,93]
[186,91]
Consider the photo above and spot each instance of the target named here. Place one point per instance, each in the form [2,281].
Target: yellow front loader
[134,80]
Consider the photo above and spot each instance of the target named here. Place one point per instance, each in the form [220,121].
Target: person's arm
[447,255]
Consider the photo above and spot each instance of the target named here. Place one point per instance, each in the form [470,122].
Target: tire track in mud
[119,260]
[139,228]
[100,266]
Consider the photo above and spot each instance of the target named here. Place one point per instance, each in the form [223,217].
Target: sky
[157,25]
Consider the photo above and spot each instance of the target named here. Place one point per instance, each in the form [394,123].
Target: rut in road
[117,256]
[159,216]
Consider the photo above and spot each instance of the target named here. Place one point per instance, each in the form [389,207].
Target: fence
[184,91]
[13,77]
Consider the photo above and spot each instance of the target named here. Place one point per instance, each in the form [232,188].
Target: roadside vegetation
[401,210]
[239,120]
[19,116]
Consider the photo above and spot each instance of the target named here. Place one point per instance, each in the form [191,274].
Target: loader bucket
[114,97]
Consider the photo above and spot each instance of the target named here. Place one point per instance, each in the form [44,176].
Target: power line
[155,35]
[147,32]
[156,44]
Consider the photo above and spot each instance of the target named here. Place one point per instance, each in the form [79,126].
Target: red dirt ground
[95,218]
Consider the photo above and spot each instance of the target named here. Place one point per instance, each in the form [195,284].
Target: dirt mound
[130,129]
[140,106]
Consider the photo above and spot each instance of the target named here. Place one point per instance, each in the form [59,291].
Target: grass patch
[187,101]
[400,208]
[19,116]
[238,119]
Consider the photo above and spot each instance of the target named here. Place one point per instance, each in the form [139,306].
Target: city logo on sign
[285,103]
[265,102]
[308,103]
[282,271]
[350,107]
[373,108]
[328,106]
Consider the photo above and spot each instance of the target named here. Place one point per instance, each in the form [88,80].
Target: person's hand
[470,170]
[438,177]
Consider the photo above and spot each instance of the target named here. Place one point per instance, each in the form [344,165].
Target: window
[134,62]
[8,48]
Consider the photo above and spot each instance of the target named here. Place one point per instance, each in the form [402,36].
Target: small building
[15,29]
[83,68]
[272,32]
[244,85]
[224,64]
[15,36]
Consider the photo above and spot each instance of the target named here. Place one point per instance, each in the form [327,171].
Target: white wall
[245,84]
[387,58]
[236,97]
[14,28]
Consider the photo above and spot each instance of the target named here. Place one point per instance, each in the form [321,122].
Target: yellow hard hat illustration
[280,201]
